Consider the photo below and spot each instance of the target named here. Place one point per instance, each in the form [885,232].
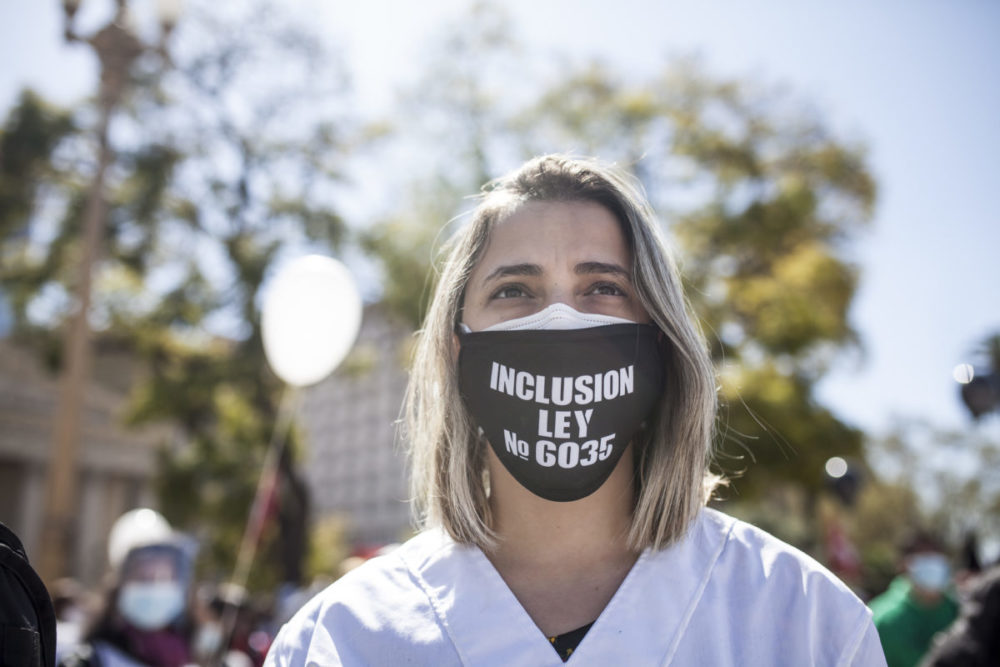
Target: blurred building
[354,467]
[115,464]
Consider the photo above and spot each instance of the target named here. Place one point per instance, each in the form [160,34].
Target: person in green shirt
[917,605]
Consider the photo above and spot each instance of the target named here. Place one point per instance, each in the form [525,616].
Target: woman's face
[553,252]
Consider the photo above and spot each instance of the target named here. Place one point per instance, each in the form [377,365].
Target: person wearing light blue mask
[917,605]
[146,619]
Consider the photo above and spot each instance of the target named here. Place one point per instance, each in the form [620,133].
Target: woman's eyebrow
[600,267]
[513,270]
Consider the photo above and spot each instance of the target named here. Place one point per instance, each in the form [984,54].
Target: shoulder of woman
[767,564]
[381,601]
[775,594]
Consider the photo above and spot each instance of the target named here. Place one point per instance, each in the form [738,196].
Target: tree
[30,171]
[223,164]
[261,176]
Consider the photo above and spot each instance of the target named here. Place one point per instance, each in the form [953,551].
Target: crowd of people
[152,613]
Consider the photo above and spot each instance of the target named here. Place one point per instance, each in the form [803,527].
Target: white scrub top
[727,594]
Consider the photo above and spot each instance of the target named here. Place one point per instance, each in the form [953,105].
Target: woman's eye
[607,289]
[509,292]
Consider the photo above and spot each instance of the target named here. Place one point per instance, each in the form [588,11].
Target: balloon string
[267,486]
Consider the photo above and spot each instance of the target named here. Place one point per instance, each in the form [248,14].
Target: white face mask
[556,316]
[151,605]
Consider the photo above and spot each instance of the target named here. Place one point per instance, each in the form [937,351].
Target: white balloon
[310,317]
[133,529]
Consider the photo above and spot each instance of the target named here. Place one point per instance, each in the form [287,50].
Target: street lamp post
[117,48]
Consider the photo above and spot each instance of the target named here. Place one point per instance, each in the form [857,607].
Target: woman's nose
[558,294]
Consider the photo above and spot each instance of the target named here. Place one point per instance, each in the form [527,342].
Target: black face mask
[559,406]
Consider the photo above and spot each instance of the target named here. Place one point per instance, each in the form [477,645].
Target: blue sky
[918,82]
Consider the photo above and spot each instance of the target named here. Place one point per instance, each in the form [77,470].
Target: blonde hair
[448,457]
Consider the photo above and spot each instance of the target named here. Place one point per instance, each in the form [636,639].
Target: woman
[559,417]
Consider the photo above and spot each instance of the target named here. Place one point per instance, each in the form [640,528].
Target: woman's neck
[563,561]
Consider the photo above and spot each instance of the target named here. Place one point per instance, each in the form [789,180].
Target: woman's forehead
[550,231]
